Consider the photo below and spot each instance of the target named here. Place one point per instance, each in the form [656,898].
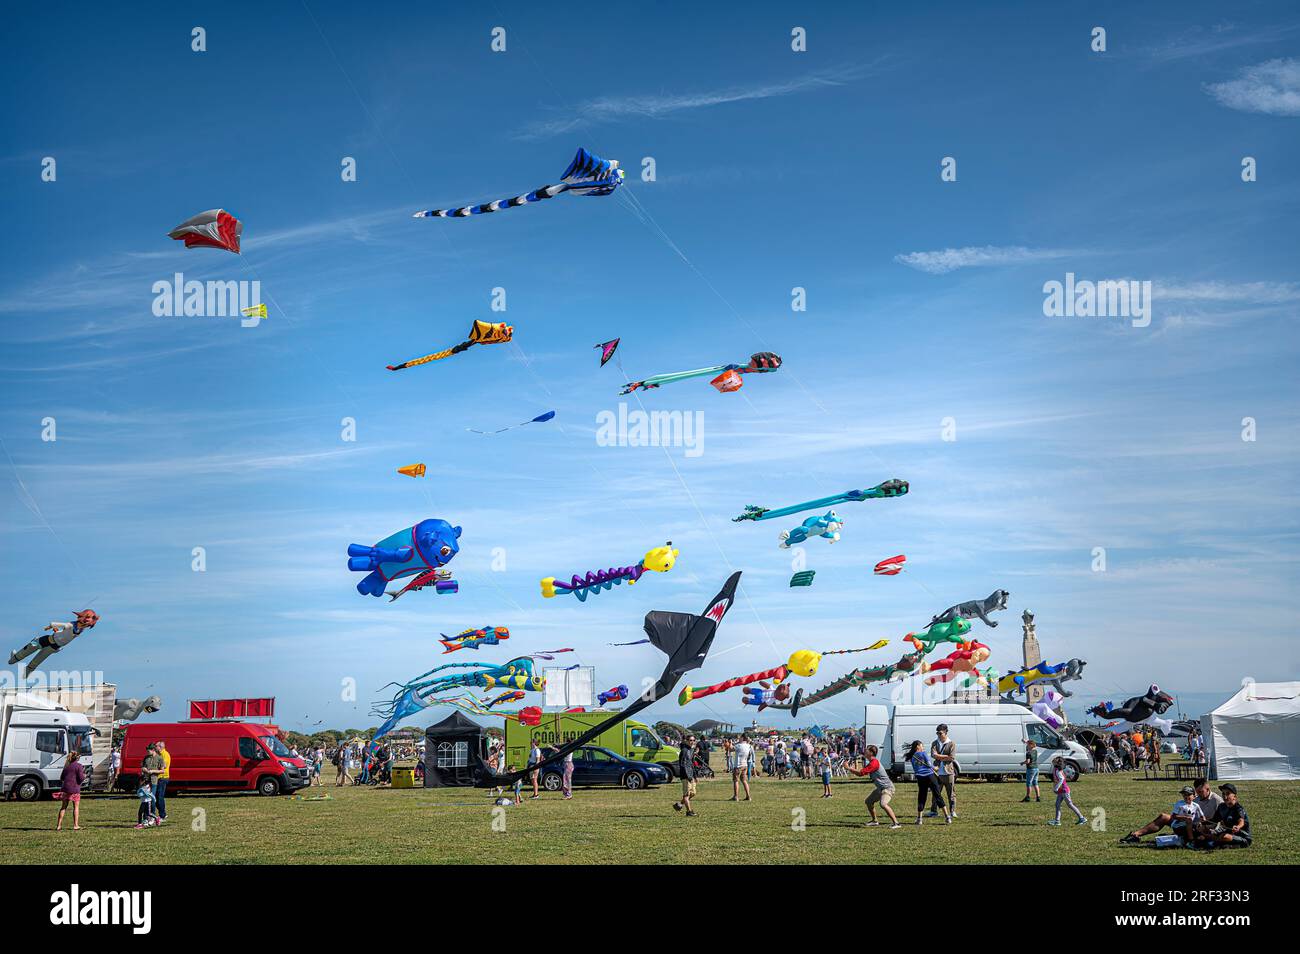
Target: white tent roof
[1256,733]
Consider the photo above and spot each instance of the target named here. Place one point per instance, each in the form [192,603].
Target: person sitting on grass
[1182,820]
[1230,826]
[1062,789]
[1031,771]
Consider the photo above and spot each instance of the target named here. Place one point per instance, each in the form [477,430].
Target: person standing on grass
[824,763]
[927,786]
[1031,771]
[1062,789]
[686,769]
[114,766]
[73,777]
[160,784]
[341,763]
[534,774]
[567,784]
[729,754]
[883,791]
[150,769]
[943,753]
[740,769]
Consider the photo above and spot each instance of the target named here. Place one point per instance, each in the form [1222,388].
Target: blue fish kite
[539,419]
[588,174]
[890,488]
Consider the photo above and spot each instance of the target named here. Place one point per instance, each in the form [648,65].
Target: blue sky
[775,169]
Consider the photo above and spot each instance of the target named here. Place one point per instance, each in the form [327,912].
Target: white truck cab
[36,736]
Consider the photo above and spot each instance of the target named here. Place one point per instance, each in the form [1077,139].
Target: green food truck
[630,739]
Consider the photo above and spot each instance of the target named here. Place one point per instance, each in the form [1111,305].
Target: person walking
[926,783]
[1031,771]
[883,791]
[70,782]
[1062,789]
[160,783]
[567,782]
[686,770]
[943,752]
[741,769]
[114,766]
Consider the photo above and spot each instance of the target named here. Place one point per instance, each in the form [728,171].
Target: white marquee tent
[1256,733]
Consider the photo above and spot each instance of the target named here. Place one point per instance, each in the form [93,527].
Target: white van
[36,736]
[990,737]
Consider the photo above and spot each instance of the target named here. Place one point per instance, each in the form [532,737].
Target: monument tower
[1033,655]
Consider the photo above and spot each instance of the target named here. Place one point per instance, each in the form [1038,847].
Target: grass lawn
[602,825]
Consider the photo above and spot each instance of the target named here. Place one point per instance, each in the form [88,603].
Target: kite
[635,642]
[959,664]
[421,692]
[474,638]
[890,488]
[683,637]
[616,694]
[1022,679]
[539,419]
[1137,709]
[419,551]
[997,600]
[254,311]
[660,559]
[528,715]
[802,662]
[878,644]
[859,679]
[588,174]
[481,332]
[215,228]
[803,578]
[1049,709]
[728,375]
[827,526]
[953,632]
[412,470]
[550,654]
[59,635]
[891,567]
[765,694]
[514,695]
[607,350]
[128,710]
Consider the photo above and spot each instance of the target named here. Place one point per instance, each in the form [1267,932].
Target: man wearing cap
[1183,820]
[1230,826]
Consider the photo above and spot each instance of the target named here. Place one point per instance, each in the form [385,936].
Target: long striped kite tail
[464,212]
[691,692]
[436,356]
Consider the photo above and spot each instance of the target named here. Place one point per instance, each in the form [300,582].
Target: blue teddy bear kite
[827,526]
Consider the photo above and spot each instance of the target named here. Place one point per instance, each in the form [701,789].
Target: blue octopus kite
[419,693]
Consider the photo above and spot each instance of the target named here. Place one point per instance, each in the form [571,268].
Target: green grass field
[610,825]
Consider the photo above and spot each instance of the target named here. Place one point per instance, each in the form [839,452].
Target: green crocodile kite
[858,678]
[951,632]
[890,488]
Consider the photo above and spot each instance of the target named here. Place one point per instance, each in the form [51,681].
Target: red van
[215,756]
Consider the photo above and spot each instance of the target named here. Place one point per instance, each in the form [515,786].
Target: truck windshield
[644,737]
[80,742]
[277,747]
[1044,736]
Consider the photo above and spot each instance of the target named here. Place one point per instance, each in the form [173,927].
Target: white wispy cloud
[1249,293]
[659,105]
[1272,87]
[1206,41]
[978,256]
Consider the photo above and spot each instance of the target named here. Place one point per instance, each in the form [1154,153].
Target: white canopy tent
[1256,733]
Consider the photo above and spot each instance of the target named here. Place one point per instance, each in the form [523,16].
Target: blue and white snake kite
[587,174]
[889,488]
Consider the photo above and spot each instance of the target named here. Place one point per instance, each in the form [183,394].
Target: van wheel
[27,789]
[552,781]
[268,785]
[633,781]
[1072,771]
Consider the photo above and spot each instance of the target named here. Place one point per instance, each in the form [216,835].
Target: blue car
[593,765]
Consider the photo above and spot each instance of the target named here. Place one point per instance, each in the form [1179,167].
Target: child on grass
[1062,790]
[145,817]
[519,787]
[1031,771]
[824,763]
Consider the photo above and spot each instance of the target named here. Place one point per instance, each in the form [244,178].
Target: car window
[600,756]
[49,742]
[248,748]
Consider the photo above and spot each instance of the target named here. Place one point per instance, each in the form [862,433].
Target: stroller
[702,768]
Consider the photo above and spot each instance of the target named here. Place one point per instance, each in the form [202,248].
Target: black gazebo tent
[453,751]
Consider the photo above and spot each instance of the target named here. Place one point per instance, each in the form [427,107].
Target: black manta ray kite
[683,637]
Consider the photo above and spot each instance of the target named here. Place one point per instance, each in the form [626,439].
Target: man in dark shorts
[1230,826]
